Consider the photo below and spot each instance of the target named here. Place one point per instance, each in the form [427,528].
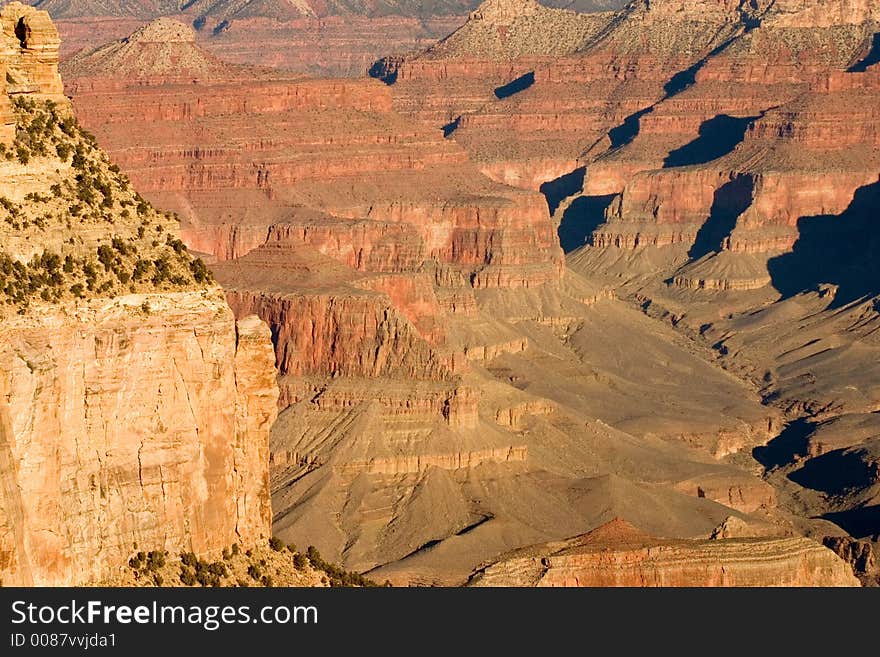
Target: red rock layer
[331,321]
[262,148]
[332,46]
[805,158]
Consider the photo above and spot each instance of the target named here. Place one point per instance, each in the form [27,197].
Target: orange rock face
[618,555]
[104,445]
[28,60]
[34,42]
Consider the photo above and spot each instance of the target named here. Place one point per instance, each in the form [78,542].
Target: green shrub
[218,568]
[200,271]
[63,150]
[155,560]
[187,577]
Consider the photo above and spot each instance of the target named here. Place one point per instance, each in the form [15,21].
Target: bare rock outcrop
[155,441]
[617,554]
[159,50]
[28,60]
[134,410]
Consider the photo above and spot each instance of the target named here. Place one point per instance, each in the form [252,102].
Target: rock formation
[104,453]
[617,554]
[135,409]
[327,38]
[28,61]
[160,49]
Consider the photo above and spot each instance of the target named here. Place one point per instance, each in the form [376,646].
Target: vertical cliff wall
[123,429]
[134,410]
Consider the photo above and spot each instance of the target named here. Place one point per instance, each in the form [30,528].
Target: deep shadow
[21,32]
[563,187]
[581,218]
[522,83]
[384,69]
[783,449]
[451,127]
[835,472]
[628,130]
[834,249]
[861,523]
[873,57]
[718,137]
[729,202]
[684,79]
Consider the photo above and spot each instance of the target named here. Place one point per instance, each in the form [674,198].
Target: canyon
[716,165]
[562,299]
[453,385]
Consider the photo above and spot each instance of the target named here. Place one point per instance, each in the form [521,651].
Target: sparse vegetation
[274,563]
[90,192]
[337,576]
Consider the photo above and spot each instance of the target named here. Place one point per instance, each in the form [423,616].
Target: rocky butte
[451,389]
[134,408]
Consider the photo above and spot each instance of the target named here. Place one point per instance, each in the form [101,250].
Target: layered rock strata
[618,555]
[158,440]
[448,391]
[135,409]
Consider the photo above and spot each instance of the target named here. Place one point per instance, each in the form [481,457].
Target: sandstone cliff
[135,410]
[123,429]
[28,60]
